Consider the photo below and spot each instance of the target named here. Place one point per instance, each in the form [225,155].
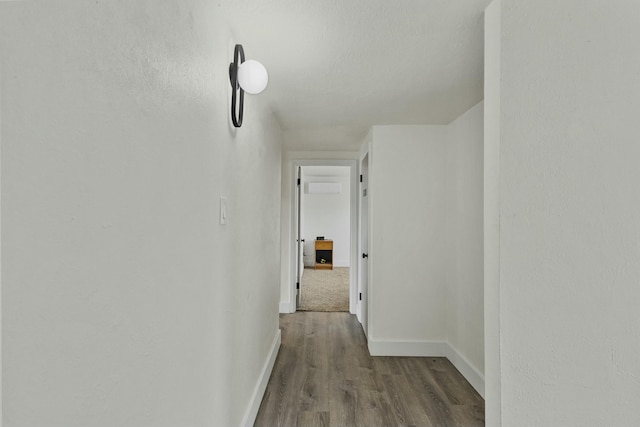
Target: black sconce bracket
[237,108]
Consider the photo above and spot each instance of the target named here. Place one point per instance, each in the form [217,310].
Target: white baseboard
[285,308]
[337,263]
[430,349]
[471,374]
[258,392]
[408,348]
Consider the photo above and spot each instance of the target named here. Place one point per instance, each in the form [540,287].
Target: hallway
[324,376]
[148,245]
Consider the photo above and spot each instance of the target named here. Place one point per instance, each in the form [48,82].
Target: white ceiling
[337,67]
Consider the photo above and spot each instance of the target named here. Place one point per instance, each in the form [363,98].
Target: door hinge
[360,177]
[298,285]
[298,181]
[360,296]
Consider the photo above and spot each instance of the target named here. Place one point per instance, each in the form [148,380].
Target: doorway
[324,233]
[324,224]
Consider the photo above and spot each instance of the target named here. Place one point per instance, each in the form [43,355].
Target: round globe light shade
[252,76]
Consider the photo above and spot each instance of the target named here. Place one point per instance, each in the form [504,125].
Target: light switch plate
[223,210]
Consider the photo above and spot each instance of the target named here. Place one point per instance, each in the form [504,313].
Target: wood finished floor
[324,376]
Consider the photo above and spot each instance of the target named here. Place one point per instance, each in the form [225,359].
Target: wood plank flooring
[324,376]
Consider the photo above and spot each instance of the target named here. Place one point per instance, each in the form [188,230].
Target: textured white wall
[329,215]
[125,303]
[569,203]
[1,103]
[407,284]
[464,229]
[491,236]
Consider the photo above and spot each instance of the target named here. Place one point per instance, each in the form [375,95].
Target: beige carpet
[325,290]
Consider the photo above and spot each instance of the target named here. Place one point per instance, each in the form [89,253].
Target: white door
[301,233]
[299,240]
[363,285]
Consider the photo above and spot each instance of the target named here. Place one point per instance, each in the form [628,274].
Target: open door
[299,239]
[363,285]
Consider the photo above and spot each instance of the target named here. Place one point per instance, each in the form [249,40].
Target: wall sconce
[246,76]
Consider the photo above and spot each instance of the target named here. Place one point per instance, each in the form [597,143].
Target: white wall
[464,230]
[124,301]
[328,215]
[1,103]
[407,283]
[492,368]
[426,249]
[569,223]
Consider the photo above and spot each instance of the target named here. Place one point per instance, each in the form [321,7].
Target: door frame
[353,224]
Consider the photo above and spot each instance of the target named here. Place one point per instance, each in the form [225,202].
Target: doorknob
[365,255]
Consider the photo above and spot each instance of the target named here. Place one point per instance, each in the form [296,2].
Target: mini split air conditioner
[324,188]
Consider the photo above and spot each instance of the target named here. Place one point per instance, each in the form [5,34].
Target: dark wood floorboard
[324,376]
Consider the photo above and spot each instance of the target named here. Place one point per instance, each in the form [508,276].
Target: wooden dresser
[324,255]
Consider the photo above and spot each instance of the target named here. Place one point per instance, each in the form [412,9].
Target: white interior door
[302,232]
[363,285]
[299,240]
